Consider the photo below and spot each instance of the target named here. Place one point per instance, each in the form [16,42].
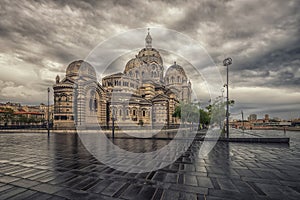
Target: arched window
[120,112]
[113,111]
[144,113]
[172,79]
[178,79]
[136,74]
[95,104]
[143,74]
[91,104]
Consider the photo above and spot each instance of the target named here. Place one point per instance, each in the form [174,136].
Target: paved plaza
[33,166]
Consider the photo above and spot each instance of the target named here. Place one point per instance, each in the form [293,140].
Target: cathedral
[142,95]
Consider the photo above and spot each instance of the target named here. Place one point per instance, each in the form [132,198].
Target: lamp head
[227,61]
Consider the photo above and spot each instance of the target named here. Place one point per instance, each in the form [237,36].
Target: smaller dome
[177,68]
[133,63]
[82,68]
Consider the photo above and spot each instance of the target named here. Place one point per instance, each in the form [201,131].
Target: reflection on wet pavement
[33,166]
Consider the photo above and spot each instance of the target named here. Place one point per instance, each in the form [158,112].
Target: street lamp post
[243,120]
[113,124]
[227,62]
[113,128]
[48,123]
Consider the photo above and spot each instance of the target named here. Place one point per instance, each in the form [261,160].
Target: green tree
[187,112]
[31,120]
[204,117]
[217,111]
[22,119]
[7,116]
[177,112]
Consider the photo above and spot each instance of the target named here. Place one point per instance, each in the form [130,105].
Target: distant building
[17,114]
[252,117]
[265,123]
[141,94]
[267,117]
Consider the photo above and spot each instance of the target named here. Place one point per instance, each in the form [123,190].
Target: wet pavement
[33,166]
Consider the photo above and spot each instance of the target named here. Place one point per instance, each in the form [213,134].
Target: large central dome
[147,55]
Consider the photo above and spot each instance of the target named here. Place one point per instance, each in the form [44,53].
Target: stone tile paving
[35,167]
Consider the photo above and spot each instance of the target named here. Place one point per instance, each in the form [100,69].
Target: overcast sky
[39,39]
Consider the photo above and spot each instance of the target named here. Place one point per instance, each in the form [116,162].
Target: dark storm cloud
[44,24]
[278,68]
[198,12]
